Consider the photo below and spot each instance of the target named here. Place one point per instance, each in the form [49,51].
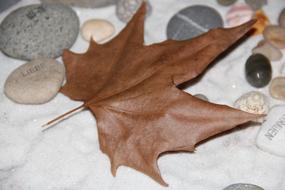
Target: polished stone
[238,14]
[268,50]
[275,35]
[277,88]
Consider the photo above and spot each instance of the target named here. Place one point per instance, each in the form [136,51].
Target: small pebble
[277,88]
[125,9]
[35,82]
[262,22]
[275,35]
[83,3]
[268,50]
[281,19]
[238,14]
[226,2]
[271,136]
[243,186]
[193,21]
[98,29]
[202,97]
[258,70]
[256,4]
[37,31]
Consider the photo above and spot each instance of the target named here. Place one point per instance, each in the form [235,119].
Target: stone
[6,4]
[35,82]
[256,4]
[268,50]
[98,29]
[275,35]
[83,3]
[193,21]
[38,31]
[243,186]
[261,23]
[277,88]
[226,2]
[271,136]
[281,19]
[202,97]
[258,70]
[238,14]
[125,9]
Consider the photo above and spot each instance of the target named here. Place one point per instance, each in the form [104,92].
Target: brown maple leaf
[131,90]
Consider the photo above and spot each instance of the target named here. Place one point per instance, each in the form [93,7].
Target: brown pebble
[277,88]
[275,35]
[268,50]
[281,18]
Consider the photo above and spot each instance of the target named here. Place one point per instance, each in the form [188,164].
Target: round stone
[271,136]
[193,21]
[258,70]
[83,3]
[38,31]
[226,2]
[277,88]
[243,186]
[238,14]
[35,82]
[202,97]
[275,35]
[268,50]
[256,4]
[281,19]
[98,29]
[125,9]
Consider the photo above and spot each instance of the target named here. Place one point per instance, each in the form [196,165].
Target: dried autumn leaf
[131,89]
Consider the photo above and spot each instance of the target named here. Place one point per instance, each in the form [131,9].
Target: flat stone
[258,70]
[281,19]
[243,186]
[271,137]
[226,2]
[37,31]
[193,21]
[277,88]
[268,50]
[35,82]
[125,9]
[202,97]
[238,14]
[256,4]
[83,3]
[275,35]
[98,29]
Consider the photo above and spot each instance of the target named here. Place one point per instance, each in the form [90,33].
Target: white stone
[35,82]
[98,29]
[271,137]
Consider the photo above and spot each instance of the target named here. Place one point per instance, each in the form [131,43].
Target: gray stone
[268,50]
[277,88]
[275,35]
[83,3]
[281,19]
[37,31]
[243,186]
[193,21]
[6,4]
[226,2]
[125,9]
[202,97]
[35,82]
[256,4]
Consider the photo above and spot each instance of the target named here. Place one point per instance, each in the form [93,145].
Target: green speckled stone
[258,70]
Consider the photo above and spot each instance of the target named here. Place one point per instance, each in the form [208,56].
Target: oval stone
[256,4]
[193,21]
[38,31]
[238,14]
[275,35]
[97,29]
[258,70]
[226,2]
[35,82]
[268,50]
[281,19]
[282,70]
[243,186]
[277,88]
[83,3]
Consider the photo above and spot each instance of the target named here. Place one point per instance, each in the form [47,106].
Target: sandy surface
[68,155]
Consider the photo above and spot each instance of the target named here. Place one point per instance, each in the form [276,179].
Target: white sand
[68,156]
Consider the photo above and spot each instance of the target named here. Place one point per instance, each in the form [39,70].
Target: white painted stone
[97,29]
[271,137]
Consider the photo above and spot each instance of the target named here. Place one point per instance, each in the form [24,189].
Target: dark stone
[258,70]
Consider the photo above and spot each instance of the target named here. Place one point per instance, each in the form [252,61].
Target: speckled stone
[258,70]
[83,3]
[268,50]
[277,88]
[35,82]
[193,21]
[281,19]
[226,2]
[275,35]
[243,186]
[256,4]
[37,31]
[125,9]
[202,97]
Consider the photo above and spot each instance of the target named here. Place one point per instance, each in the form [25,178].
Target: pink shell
[238,14]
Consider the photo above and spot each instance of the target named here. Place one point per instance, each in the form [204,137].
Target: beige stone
[275,35]
[268,50]
[277,88]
